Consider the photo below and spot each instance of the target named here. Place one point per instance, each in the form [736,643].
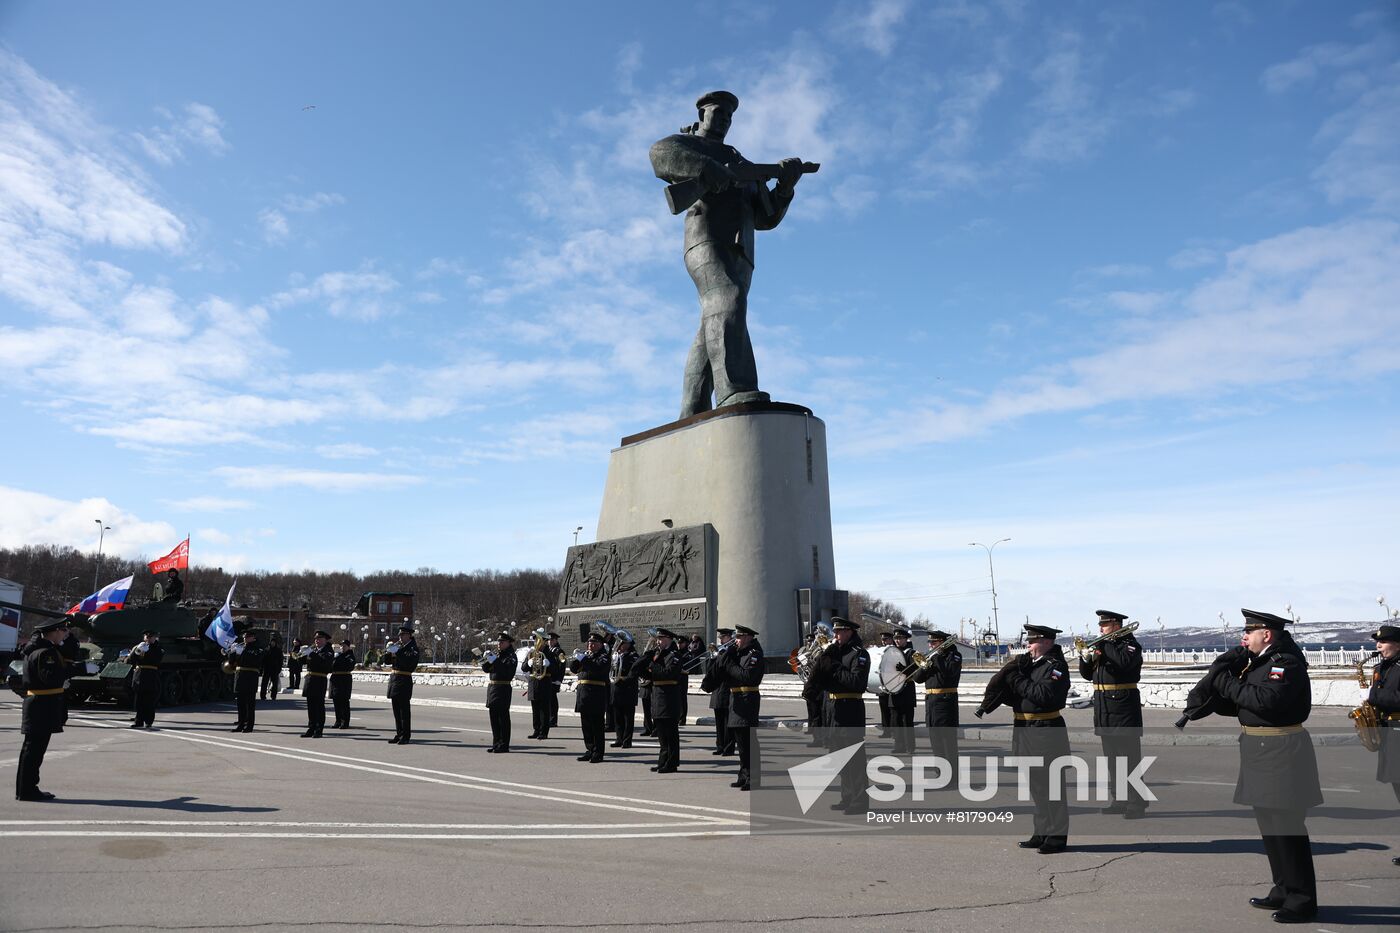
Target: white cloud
[34,518]
[197,124]
[356,295]
[310,204]
[346,451]
[274,224]
[276,477]
[878,28]
[1069,119]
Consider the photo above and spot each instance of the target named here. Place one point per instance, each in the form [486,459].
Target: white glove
[140,648]
[394,648]
[237,649]
[305,651]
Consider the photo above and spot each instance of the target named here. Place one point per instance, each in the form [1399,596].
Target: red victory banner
[178,559]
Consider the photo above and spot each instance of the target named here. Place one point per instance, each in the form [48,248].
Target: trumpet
[1084,647]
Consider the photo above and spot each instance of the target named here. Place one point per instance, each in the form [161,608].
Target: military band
[842,672]
[145,659]
[318,659]
[737,668]
[1113,665]
[1038,684]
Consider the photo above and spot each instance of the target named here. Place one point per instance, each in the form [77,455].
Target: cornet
[1084,647]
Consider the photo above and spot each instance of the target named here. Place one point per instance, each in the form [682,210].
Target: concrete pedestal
[758,474]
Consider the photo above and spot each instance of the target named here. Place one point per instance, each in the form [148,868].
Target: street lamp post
[97,568]
[1160,630]
[991,571]
[576,531]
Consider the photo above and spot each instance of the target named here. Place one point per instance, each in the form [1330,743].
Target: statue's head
[716,111]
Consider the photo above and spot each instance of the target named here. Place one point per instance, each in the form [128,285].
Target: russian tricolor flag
[111,596]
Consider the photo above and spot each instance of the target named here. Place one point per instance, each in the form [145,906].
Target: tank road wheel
[213,686]
[170,689]
[193,687]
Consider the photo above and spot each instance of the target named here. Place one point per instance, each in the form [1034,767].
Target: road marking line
[425,774]
[335,825]
[283,837]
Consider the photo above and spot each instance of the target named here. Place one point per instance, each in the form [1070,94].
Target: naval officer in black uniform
[1113,666]
[940,677]
[342,680]
[1038,684]
[145,660]
[318,659]
[719,701]
[500,669]
[738,669]
[403,661]
[248,662]
[843,672]
[1278,776]
[663,667]
[45,708]
[592,665]
[1385,697]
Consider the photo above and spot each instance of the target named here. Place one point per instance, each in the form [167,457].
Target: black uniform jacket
[843,672]
[1385,697]
[342,673]
[1116,663]
[502,673]
[663,669]
[145,669]
[1039,690]
[404,662]
[1274,692]
[713,684]
[318,669]
[624,690]
[45,670]
[742,672]
[541,688]
[943,673]
[249,663]
[591,691]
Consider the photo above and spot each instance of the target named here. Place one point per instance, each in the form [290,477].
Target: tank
[191,671]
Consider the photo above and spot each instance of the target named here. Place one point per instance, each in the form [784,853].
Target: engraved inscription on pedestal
[663,578]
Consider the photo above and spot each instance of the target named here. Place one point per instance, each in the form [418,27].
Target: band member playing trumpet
[663,666]
[145,660]
[842,671]
[940,675]
[1272,696]
[719,701]
[623,694]
[737,668]
[1037,686]
[1113,664]
[248,661]
[499,666]
[556,654]
[403,661]
[342,680]
[591,694]
[1385,697]
[318,660]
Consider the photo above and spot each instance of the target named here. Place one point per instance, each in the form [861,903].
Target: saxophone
[1365,717]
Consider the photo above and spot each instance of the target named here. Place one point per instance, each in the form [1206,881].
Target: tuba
[536,661]
[802,659]
[1366,717]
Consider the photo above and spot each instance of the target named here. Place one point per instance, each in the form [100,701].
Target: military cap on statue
[744,630]
[838,622]
[721,98]
[1108,615]
[1254,619]
[1386,633]
[1041,631]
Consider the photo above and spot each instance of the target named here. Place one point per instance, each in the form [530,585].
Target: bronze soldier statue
[728,198]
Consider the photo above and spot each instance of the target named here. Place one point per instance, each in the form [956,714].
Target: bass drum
[883,661]
[522,665]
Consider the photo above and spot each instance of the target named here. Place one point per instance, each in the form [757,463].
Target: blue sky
[378,286]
